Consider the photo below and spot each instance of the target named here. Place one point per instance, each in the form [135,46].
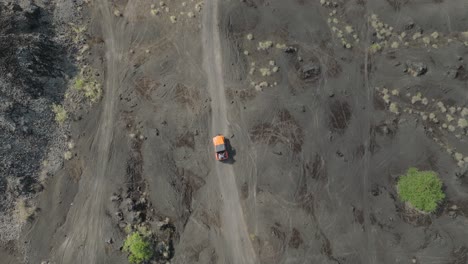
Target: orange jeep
[219,143]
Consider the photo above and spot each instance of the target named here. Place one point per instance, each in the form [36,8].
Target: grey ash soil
[317,151]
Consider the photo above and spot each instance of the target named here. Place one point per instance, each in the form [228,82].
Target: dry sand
[316,146]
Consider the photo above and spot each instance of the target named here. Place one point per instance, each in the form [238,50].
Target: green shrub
[139,247]
[79,83]
[422,189]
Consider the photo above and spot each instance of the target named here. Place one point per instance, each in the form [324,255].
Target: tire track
[85,226]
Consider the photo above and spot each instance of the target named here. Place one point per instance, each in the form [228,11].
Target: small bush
[88,85]
[422,189]
[79,83]
[374,48]
[139,247]
[60,113]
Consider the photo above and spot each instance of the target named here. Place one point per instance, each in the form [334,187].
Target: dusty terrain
[325,104]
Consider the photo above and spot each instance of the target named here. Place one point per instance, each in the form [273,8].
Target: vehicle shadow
[231,152]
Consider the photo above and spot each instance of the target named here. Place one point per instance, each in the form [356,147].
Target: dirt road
[81,238]
[84,240]
[234,228]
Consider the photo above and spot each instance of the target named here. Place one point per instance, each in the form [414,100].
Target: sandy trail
[84,242]
[234,227]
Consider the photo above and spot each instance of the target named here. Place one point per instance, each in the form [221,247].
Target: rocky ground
[34,70]
[325,104]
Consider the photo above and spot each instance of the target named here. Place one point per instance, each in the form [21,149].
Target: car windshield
[220,148]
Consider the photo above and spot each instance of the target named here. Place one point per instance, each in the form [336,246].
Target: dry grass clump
[68,155]
[342,30]
[449,118]
[328,3]
[198,6]
[265,45]
[265,71]
[79,32]
[280,46]
[60,113]
[462,123]
[117,13]
[394,108]
[374,48]
[383,31]
[261,85]
[416,98]
[464,112]
[154,11]
[23,210]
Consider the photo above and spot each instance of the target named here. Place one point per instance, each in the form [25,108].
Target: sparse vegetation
[462,123]
[67,155]
[23,210]
[342,30]
[88,85]
[421,189]
[280,46]
[374,48]
[144,230]
[60,113]
[71,145]
[394,108]
[261,85]
[198,6]
[139,248]
[155,11]
[265,71]
[265,45]
[79,32]
[128,229]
